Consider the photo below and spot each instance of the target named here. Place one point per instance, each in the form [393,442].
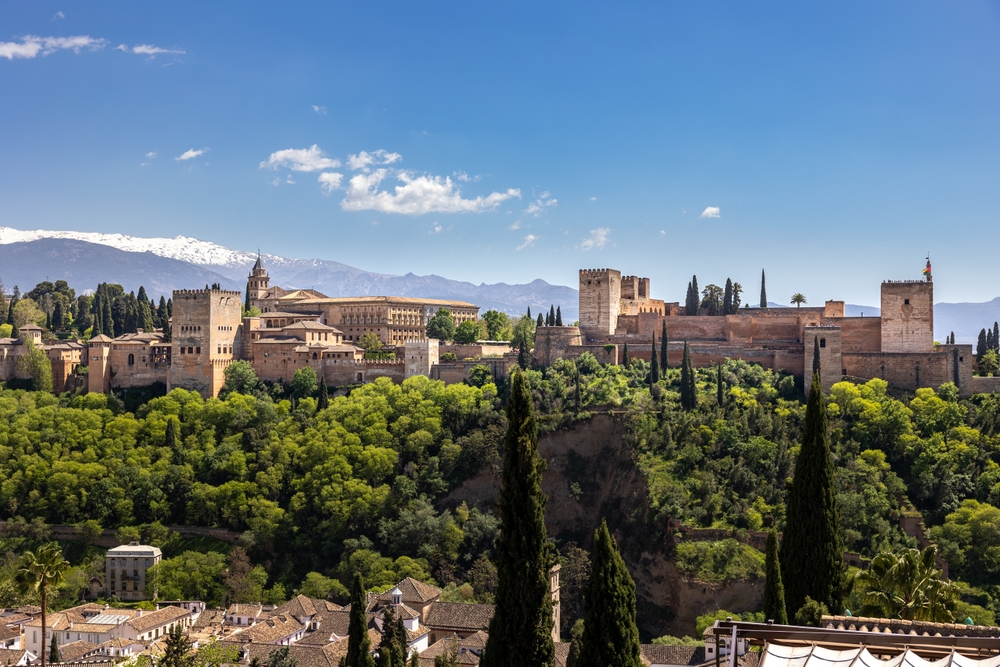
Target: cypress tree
[14,331]
[170,307]
[520,631]
[689,384]
[695,294]
[529,312]
[989,339]
[246,301]
[720,396]
[654,368]
[774,590]
[170,436]
[576,389]
[981,345]
[552,316]
[952,337]
[523,357]
[161,312]
[175,649]
[816,364]
[541,322]
[108,325]
[559,321]
[392,648]
[610,636]
[625,359]
[10,311]
[996,336]
[54,649]
[812,551]
[48,322]
[763,290]
[358,644]
[727,299]
[664,350]
[97,328]
[324,394]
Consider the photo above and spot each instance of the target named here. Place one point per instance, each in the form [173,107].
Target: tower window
[906,302]
[822,342]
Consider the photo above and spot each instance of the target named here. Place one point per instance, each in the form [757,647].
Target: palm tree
[38,571]
[907,585]
[798,299]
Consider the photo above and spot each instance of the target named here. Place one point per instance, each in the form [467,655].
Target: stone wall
[859,334]
[985,385]
[205,326]
[911,370]
[907,316]
[551,343]
[600,301]
[830,358]
[476,350]
[453,372]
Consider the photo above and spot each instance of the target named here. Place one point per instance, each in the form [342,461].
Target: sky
[833,144]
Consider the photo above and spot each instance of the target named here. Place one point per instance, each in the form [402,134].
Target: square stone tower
[421,354]
[830,358]
[600,301]
[204,330]
[908,316]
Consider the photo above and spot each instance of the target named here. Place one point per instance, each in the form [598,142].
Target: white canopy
[778,655]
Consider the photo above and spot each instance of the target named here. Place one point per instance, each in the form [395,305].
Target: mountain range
[85,259]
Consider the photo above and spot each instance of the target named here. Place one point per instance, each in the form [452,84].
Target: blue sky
[838,142]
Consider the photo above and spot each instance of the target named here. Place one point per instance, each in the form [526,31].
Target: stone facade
[908,316]
[205,327]
[125,570]
[600,300]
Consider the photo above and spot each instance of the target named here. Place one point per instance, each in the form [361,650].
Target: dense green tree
[323,402]
[559,321]
[176,649]
[737,297]
[161,312]
[392,649]
[358,645]
[610,635]
[58,317]
[692,300]
[996,336]
[468,332]
[441,326]
[498,325]
[812,549]
[523,358]
[664,349]
[541,321]
[240,377]
[654,368]
[280,657]
[907,585]
[145,311]
[625,360]
[552,316]
[689,382]
[370,342]
[54,648]
[712,299]
[520,632]
[304,382]
[10,311]
[727,298]
[981,345]
[41,571]
[763,290]
[36,365]
[774,590]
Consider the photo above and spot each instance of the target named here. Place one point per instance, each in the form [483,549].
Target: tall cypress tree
[541,322]
[324,394]
[610,636]
[529,312]
[161,313]
[989,339]
[552,316]
[10,311]
[246,301]
[812,550]
[727,298]
[520,631]
[763,290]
[58,316]
[720,396]
[559,321]
[54,648]
[625,359]
[981,348]
[392,649]
[654,368]
[664,350]
[996,336]
[358,644]
[97,328]
[689,384]
[774,590]
[817,368]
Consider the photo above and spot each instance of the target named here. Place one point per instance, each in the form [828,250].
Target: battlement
[596,273]
[203,292]
[903,282]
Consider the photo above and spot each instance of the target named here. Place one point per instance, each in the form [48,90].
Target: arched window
[131,360]
[314,355]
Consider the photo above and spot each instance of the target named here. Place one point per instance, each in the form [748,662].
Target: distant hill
[85,259]
[965,319]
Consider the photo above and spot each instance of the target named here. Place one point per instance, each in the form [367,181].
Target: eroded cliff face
[591,474]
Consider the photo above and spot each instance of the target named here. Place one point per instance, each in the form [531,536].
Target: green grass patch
[719,562]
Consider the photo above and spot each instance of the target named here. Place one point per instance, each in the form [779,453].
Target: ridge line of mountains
[86,259]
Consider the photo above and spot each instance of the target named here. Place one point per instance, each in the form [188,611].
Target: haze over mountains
[85,259]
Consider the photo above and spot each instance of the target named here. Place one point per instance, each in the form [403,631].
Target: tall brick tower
[600,301]
[908,315]
[257,282]
[205,328]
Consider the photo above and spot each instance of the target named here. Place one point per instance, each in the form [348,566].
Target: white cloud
[147,50]
[711,212]
[289,180]
[365,159]
[151,154]
[593,199]
[598,238]
[663,232]
[32,45]
[465,178]
[536,207]
[330,181]
[320,111]
[516,225]
[417,195]
[300,159]
[437,229]
[59,15]
[191,153]
[529,240]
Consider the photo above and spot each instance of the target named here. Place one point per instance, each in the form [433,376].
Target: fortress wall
[786,329]
[985,385]
[551,343]
[698,327]
[907,316]
[859,334]
[907,370]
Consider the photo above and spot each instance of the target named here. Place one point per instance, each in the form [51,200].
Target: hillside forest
[319,488]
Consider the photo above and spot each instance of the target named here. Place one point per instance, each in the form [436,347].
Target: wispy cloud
[598,238]
[436,229]
[151,154]
[147,50]
[330,181]
[320,111]
[364,159]
[516,225]
[59,15]
[711,212]
[543,202]
[32,45]
[191,153]
[593,199]
[529,240]
[417,195]
[300,159]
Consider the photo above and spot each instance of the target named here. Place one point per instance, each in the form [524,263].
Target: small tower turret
[258,282]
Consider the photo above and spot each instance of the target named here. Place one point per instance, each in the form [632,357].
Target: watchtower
[257,282]
[205,329]
[908,316]
[600,301]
